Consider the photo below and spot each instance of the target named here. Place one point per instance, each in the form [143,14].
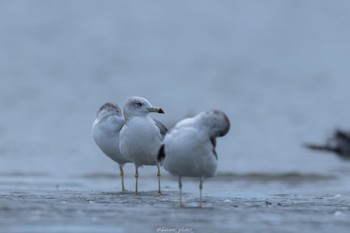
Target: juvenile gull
[105,131]
[188,150]
[141,136]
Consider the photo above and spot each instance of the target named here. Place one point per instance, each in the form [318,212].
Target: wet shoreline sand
[266,205]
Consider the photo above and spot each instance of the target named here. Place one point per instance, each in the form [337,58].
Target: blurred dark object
[338,143]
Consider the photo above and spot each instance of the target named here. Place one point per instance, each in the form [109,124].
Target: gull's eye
[138,104]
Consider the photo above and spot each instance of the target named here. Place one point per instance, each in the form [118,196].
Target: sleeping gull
[105,131]
[141,136]
[188,150]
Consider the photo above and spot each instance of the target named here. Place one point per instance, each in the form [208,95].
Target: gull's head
[138,106]
[216,121]
[108,109]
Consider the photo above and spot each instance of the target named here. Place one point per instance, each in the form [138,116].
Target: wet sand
[236,203]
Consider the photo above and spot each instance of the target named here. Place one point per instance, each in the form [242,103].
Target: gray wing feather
[162,128]
[213,142]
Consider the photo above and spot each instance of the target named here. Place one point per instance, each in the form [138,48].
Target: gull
[188,149]
[338,143]
[141,136]
[105,131]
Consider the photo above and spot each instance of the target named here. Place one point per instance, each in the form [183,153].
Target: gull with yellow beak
[141,136]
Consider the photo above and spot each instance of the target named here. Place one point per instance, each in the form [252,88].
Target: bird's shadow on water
[139,194]
[153,198]
[188,206]
[170,199]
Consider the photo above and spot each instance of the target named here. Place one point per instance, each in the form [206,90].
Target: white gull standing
[188,149]
[141,136]
[105,131]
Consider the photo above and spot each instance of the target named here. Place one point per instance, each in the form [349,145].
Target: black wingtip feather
[161,154]
[213,143]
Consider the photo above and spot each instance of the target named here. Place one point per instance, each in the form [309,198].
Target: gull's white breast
[140,140]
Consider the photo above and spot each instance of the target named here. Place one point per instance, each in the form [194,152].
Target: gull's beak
[156,109]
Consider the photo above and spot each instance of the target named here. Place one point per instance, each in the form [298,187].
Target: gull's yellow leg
[158,174]
[137,178]
[200,191]
[122,177]
[180,194]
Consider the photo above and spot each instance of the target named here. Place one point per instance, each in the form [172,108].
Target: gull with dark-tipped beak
[141,136]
